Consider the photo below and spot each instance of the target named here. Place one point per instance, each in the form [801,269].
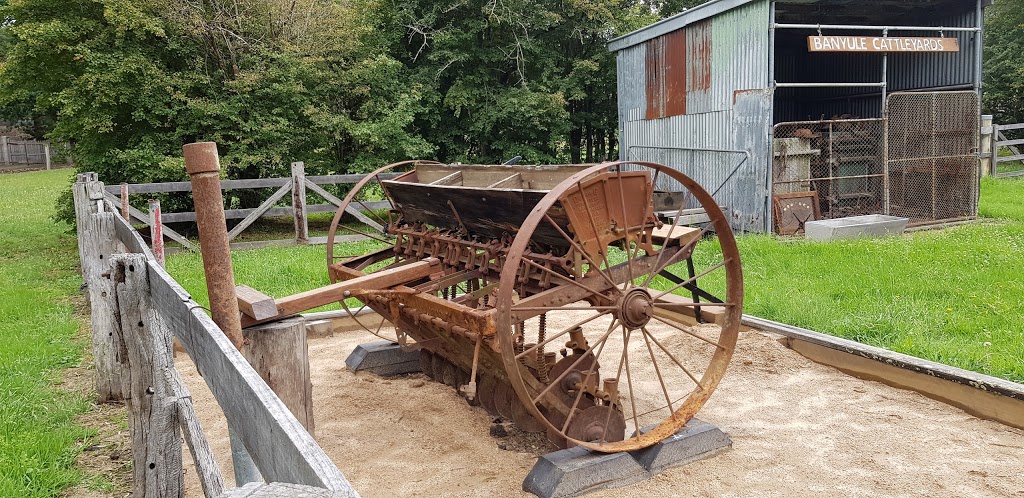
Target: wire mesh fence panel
[839,162]
[932,161]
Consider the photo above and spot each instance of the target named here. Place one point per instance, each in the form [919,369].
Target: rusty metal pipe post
[203,166]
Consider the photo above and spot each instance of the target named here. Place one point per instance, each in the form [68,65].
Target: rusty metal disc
[427,363]
[524,419]
[555,419]
[437,366]
[597,424]
[485,393]
[450,375]
[566,388]
[504,396]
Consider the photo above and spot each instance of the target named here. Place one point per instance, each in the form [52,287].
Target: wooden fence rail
[137,309]
[297,185]
[999,141]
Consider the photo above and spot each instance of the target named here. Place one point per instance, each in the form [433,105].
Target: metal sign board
[881,44]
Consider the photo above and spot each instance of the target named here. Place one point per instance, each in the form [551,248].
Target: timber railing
[1014,159]
[137,309]
[298,185]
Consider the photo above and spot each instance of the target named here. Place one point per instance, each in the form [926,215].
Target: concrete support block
[383,358]
[696,441]
[577,471]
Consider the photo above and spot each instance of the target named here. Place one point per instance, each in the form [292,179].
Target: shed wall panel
[929,70]
[736,45]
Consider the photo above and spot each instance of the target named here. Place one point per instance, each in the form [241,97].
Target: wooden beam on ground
[981,395]
[280,446]
[381,280]
[682,235]
[255,303]
[710,313]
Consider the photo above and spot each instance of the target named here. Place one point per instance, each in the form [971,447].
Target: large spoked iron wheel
[623,314]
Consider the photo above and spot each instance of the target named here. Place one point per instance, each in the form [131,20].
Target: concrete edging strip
[979,394]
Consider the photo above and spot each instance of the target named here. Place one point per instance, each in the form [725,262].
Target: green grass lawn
[38,280]
[954,296]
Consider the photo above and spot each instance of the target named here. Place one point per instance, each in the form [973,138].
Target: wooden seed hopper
[547,294]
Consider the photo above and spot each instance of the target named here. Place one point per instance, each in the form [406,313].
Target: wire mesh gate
[919,162]
[932,155]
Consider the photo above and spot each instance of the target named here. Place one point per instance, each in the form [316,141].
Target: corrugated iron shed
[701,90]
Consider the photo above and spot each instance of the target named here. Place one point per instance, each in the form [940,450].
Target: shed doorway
[919,161]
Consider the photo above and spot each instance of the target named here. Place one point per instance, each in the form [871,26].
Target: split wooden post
[46,154]
[97,243]
[5,145]
[279,353]
[152,402]
[299,203]
[156,232]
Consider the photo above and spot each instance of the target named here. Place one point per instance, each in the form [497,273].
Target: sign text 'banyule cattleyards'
[881,44]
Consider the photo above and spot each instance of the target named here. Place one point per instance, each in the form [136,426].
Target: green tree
[272,81]
[518,77]
[1004,61]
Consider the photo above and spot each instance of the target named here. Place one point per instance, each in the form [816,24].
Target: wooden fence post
[46,154]
[278,352]
[994,167]
[987,141]
[96,243]
[299,202]
[156,232]
[125,212]
[152,403]
[5,150]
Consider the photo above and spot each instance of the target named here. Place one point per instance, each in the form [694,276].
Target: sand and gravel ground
[798,429]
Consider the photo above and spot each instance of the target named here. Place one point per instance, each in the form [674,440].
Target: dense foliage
[344,86]
[1004,61]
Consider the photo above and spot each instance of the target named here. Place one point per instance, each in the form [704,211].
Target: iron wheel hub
[636,308]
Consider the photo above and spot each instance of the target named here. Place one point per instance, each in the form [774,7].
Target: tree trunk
[575,137]
[612,144]
[590,145]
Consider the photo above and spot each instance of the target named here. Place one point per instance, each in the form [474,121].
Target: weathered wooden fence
[1013,162]
[137,308]
[298,185]
[24,152]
